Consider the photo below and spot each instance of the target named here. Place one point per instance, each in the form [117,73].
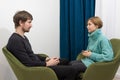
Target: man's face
[27,25]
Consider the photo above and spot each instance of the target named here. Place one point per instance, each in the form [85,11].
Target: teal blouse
[100,47]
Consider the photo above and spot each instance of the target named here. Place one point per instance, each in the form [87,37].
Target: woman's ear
[96,26]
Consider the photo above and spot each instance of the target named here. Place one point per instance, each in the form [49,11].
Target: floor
[117,78]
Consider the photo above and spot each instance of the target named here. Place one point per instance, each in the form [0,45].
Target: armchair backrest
[116,49]
[11,59]
[15,64]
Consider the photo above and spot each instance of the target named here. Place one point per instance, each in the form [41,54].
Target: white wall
[109,11]
[44,35]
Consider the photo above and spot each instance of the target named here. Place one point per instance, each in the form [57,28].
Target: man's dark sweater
[20,47]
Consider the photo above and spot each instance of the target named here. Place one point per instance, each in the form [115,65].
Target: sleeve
[106,52]
[17,48]
[40,57]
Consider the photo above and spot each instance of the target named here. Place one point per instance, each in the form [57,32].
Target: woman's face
[91,26]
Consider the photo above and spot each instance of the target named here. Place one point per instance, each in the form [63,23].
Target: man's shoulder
[14,41]
[15,36]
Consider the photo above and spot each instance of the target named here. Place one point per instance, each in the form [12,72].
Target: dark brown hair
[21,16]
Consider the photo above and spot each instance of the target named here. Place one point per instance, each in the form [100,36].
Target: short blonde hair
[96,21]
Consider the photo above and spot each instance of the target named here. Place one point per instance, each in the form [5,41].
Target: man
[20,47]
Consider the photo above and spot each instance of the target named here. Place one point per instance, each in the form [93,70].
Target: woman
[99,48]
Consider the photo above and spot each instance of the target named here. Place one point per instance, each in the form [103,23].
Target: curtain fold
[73,31]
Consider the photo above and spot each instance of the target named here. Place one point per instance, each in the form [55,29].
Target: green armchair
[28,73]
[103,70]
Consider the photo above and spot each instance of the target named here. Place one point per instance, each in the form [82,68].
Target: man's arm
[17,47]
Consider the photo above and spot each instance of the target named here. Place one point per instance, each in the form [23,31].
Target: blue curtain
[73,31]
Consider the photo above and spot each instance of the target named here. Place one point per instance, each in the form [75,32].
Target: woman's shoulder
[103,38]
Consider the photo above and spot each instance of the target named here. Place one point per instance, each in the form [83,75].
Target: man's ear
[20,23]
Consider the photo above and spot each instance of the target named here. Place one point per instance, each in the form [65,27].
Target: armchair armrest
[79,57]
[39,73]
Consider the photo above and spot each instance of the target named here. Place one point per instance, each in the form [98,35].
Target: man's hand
[52,62]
